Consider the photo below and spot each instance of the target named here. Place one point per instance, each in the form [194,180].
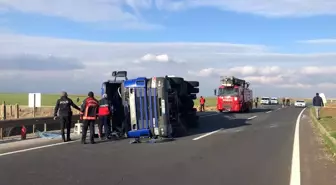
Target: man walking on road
[90,110]
[318,103]
[202,102]
[63,107]
[105,117]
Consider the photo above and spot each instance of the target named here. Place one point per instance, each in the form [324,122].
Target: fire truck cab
[234,95]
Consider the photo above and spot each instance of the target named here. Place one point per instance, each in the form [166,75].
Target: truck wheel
[177,80]
[193,83]
[193,90]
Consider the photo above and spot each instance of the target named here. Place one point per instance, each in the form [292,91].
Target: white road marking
[278,109]
[268,112]
[207,134]
[273,125]
[35,148]
[295,178]
[252,117]
[202,116]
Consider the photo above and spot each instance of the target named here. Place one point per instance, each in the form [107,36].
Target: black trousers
[86,125]
[202,107]
[104,121]
[65,124]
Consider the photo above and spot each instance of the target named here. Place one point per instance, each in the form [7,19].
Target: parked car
[300,103]
[274,101]
[265,101]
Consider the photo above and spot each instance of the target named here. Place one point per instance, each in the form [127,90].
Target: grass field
[22,98]
[328,118]
[49,100]
[328,121]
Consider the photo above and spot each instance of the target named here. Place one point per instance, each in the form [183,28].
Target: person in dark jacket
[90,110]
[118,113]
[105,113]
[63,107]
[318,103]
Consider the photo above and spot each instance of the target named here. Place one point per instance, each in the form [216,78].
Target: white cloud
[163,58]
[86,11]
[319,41]
[79,66]
[274,8]
[129,13]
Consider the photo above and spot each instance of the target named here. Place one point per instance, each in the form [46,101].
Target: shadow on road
[220,121]
[257,110]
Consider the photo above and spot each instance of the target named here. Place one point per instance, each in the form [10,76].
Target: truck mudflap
[145,107]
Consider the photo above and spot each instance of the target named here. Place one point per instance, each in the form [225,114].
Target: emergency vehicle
[234,95]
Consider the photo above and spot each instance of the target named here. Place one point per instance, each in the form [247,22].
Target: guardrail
[12,123]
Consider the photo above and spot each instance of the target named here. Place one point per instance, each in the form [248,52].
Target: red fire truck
[234,95]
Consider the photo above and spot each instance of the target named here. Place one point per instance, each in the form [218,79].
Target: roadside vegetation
[328,124]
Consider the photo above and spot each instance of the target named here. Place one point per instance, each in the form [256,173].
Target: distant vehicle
[234,95]
[265,101]
[274,101]
[300,103]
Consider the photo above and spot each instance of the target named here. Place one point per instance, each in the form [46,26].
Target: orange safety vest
[202,100]
[91,106]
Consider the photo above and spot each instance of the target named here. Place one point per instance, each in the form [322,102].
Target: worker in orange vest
[90,108]
[202,102]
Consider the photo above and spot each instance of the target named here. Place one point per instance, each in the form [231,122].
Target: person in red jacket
[202,102]
[105,117]
[90,108]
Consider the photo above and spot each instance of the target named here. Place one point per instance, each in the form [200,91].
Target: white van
[265,101]
[274,101]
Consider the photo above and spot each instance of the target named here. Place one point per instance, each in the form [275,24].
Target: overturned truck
[160,107]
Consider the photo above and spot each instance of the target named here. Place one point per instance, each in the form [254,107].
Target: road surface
[236,149]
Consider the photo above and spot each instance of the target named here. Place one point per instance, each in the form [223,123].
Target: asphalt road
[235,149]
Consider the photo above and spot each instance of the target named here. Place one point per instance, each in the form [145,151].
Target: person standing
[90,108]
[318,103]
[256,102]
[105,117]
[63,107]
[202,103]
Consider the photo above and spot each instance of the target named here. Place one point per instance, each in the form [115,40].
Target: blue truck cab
[149,112]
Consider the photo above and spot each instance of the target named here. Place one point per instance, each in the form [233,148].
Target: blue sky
[267,42]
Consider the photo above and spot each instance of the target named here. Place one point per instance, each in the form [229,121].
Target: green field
[22,98]
[50,99]
[209,101]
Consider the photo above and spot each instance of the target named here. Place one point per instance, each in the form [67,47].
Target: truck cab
[114,90]
[148,104]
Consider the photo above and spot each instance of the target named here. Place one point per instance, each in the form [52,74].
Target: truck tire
[193,90]
[193,96]
[193,83]
[177,80]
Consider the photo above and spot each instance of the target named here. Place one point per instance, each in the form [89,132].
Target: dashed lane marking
[207,134]
[268,112]
[252,117]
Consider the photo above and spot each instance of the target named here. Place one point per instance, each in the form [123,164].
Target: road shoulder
[317,164]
